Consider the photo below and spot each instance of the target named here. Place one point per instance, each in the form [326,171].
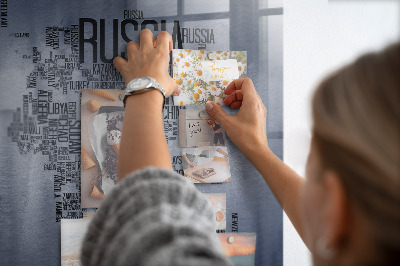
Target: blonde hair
[356,113]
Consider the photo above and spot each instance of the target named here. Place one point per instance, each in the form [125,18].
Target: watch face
[140,83]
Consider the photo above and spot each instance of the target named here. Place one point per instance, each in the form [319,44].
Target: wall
[320,36]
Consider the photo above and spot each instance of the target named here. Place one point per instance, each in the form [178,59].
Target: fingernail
[179,90]
[209,106]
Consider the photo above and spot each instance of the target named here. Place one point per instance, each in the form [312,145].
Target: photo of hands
[206,164]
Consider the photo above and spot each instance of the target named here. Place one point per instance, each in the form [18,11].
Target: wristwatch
[140,85]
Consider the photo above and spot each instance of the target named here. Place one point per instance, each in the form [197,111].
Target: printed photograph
[72,234]
[206,164]
[204,75]
[102,114]
[197,128]
[218,201]
[239,247]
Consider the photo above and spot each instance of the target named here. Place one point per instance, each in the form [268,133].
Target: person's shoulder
[152,173]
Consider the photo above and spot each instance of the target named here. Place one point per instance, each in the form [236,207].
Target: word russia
[197,35]
[92,36]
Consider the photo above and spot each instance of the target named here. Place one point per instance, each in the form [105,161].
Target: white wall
[320,36]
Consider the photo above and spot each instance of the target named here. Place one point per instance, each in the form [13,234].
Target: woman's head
[353,170]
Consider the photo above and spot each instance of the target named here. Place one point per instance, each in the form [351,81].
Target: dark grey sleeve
[153,217]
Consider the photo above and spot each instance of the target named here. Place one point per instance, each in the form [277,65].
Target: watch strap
[154,85]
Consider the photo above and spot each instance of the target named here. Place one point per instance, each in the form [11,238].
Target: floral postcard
[204,75]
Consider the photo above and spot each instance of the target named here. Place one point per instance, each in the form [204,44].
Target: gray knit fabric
[154,217]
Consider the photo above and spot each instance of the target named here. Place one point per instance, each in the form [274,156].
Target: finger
[236,104]
[119,63]
[249,93]
[131,48]
[245,85]
[171,88]
[177,92]
[235,96]
[146,40]
[232,86]
[217,113]
[163,42]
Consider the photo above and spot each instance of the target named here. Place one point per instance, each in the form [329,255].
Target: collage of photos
[202,145]
[204,155]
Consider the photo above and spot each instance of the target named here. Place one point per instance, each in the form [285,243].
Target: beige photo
[218,201]
[102,116]
[206,164]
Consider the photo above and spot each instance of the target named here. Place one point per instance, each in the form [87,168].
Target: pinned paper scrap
[219,70]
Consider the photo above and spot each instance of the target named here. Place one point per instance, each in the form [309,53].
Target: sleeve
[153,217]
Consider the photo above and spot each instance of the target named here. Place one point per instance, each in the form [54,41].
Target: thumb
[119,63]
[217,112]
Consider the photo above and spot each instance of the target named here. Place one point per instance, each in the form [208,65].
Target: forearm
[143,140]
[285,183]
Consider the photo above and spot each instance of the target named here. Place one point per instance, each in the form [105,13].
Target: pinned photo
[218,201]
[102,114]
[239,247]
[197,128]
[72,233]
[206,164]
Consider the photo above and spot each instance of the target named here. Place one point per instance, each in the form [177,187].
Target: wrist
[257,149]
[141,85]
[148,99]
